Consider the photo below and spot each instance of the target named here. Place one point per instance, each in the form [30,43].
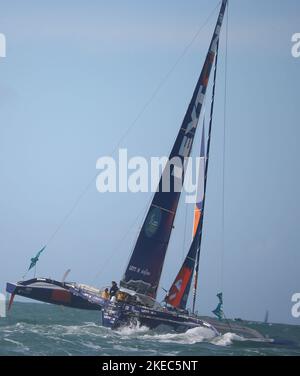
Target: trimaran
[141,279]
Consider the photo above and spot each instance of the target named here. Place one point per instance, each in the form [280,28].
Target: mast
[205,181]
[145,265]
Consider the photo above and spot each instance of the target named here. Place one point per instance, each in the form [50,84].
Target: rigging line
[143,217]
[166,77]
[228,323]
[112,252]
[224,153]
[146,105]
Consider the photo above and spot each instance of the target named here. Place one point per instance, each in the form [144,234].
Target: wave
[17,343]
[189,337]
[198,335]
[227,339]
[132,329]
[83,336]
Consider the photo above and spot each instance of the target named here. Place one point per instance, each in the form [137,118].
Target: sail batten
[145,266]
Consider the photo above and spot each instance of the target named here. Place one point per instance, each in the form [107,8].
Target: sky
[76,76]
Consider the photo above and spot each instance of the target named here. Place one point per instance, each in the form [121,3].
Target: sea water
[42,329]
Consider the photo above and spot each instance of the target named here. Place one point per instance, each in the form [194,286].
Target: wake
[190,337]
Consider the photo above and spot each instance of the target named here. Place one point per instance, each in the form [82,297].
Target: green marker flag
[35,259]
[219,310]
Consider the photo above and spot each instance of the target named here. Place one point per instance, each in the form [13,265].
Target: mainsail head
[145,265]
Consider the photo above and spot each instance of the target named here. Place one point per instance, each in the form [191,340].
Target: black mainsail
[145,265]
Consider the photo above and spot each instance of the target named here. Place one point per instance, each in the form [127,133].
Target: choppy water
[42,329]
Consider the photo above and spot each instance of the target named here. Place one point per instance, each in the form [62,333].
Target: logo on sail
[152,222]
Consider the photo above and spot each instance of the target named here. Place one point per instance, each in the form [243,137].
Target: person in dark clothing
[113,290]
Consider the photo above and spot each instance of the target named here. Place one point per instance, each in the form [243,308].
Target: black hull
[115,315]
[118,315]
[50,291]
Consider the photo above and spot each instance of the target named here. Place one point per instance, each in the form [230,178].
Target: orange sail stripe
[179,287]
[197,216]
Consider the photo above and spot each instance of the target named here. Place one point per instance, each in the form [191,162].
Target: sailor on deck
[113,290]
[105,294]
[121,296]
